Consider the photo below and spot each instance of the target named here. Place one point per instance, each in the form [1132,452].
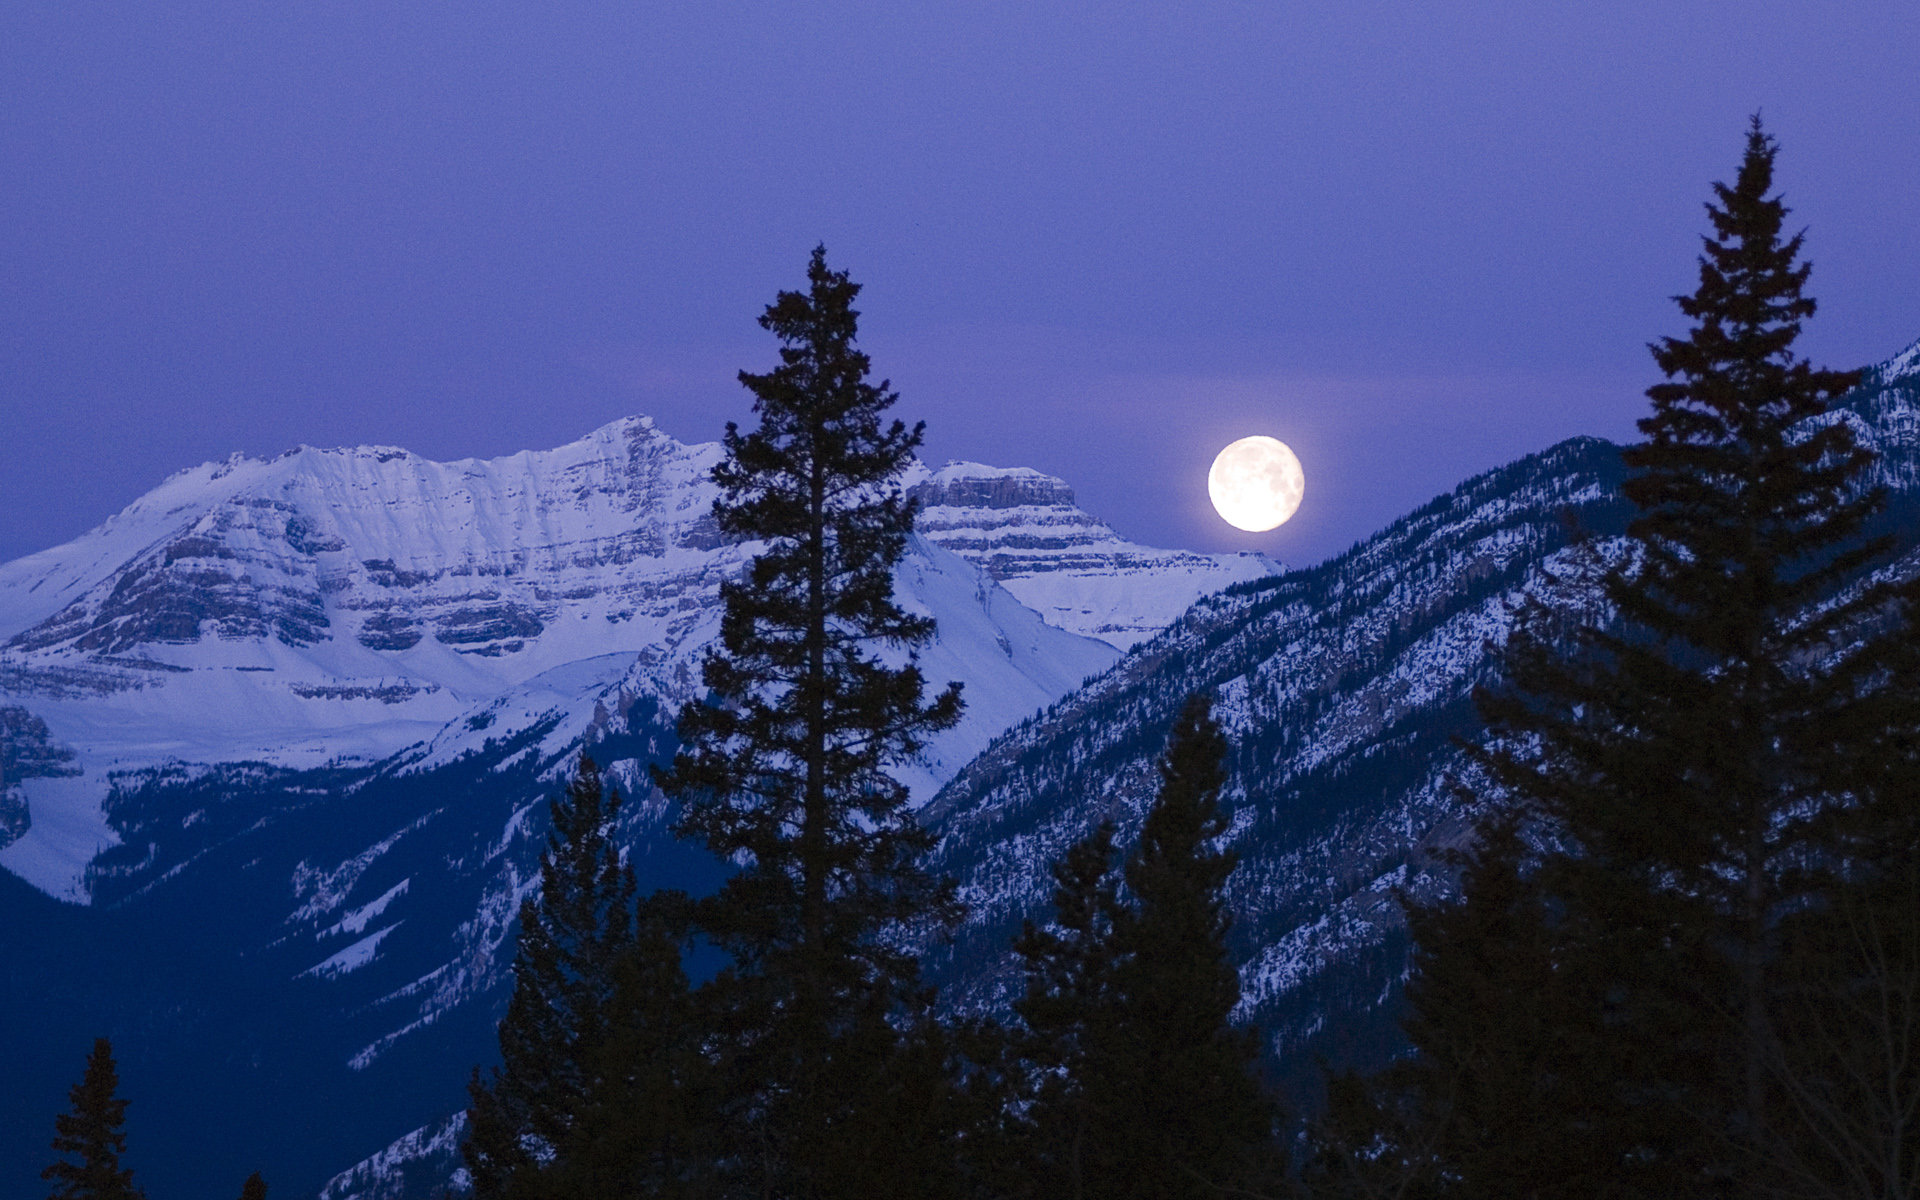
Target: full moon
[1256,483]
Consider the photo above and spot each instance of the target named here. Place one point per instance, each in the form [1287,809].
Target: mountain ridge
[330,605]
[1342,686]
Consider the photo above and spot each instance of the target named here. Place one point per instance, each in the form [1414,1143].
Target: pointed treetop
[93,1133]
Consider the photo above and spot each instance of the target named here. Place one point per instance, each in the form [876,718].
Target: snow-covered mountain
[292,721]
[1024,529]
[333,606]
[341,919]
[1342,688]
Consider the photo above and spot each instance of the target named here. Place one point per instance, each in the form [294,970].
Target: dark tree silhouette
[785,770]
[571,938]
[1142,1087]
[647,1125]
[92,1136]
[1067,1016]
[1686,772]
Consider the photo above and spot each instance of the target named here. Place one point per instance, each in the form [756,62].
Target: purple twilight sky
[1101,239]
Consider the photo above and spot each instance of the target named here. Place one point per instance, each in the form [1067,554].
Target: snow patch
[379,1177]
[357,920]
[69,829]
[353,957]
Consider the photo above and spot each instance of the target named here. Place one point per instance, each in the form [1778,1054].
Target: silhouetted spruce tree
[572,936]
[255,1188]
[93,1136]
[1496,1076]
[1067,1014]
[1144,1087]
[785,769]
[1685,764]
[1194,1119]
[646,1126]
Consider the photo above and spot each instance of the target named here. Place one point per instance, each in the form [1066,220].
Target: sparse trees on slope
[92,1136]
[1687,765]
[571,938]
[1496,1076]
[785,770]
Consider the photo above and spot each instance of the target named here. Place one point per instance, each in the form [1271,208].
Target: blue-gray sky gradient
[1102,239]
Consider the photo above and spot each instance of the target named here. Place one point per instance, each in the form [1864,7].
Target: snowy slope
[335,607]
[1342,688]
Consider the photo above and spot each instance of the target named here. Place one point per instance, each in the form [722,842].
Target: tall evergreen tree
[572,936]
[1747,518]
[1684,765]
[785,769]
[93,1135]
[1144,1087]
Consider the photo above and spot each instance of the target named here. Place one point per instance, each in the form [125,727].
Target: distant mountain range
[288,725]
[293,720]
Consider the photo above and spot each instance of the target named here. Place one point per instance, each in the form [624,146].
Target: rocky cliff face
[27,751]
[374,545]
[1023,528]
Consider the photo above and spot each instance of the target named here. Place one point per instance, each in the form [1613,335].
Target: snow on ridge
[380,1176]
[322,891]
[353,957]
[955,468]
[358,919]
[367,602]
[1905,363]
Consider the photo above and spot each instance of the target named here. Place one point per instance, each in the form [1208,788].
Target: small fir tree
[93,1136]
[571,939]
[1193,1119]
[785,769]
[255,1188]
